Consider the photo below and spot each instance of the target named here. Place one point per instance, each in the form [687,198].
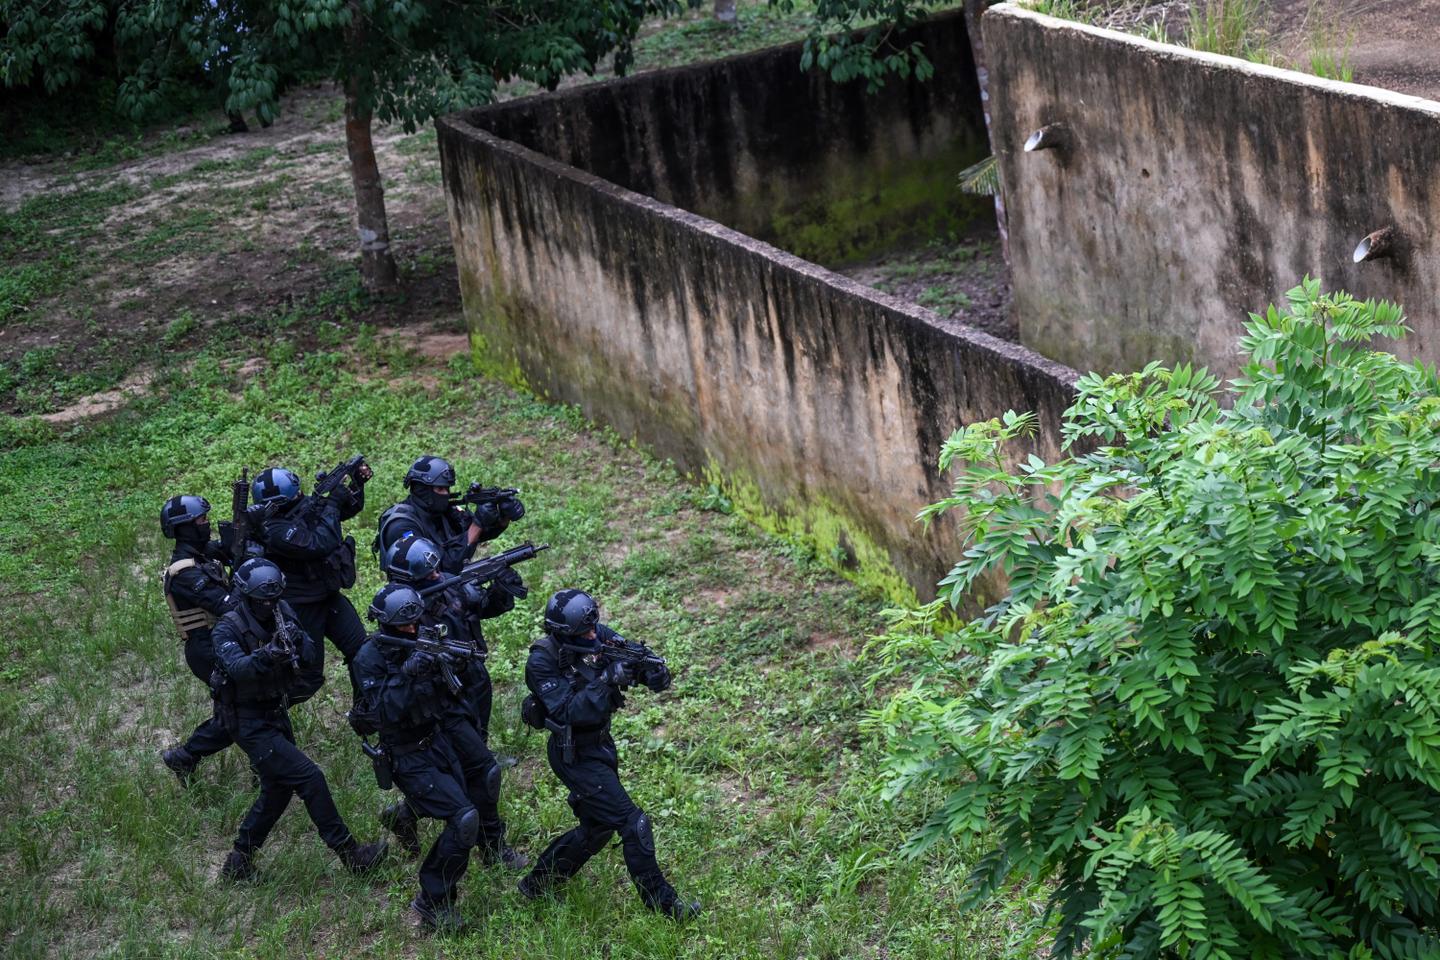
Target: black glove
[487,516]
[420,664]
[658,679]
[342,496]
[618,675]
[227,539]
[273,652]
[510,582]
[511,508]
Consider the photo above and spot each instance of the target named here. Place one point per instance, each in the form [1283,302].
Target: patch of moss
[831,536]
[864,212]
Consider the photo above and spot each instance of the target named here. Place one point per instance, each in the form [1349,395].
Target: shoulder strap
[179,565]
[547,643]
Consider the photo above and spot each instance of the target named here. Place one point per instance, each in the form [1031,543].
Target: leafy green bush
[1207,709]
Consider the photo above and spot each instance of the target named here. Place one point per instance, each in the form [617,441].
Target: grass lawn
[753,766]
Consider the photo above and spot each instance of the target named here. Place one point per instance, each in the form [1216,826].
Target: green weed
[1232,28]
[1330,44]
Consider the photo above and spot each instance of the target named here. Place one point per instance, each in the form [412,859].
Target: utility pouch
[339,572]
[380,760]
[532,711]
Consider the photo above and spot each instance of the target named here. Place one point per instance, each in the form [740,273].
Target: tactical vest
[190,618]
[404,510]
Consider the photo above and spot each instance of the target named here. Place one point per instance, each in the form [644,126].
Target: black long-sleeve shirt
[301,541]
[572,693]
[257,678]
[403,709]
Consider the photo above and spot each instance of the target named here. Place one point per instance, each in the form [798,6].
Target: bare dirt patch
[965,280]
[1396,43]
[98,403]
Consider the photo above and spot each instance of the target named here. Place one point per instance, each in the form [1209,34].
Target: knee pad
[467,826]
[492,782]
[638,826]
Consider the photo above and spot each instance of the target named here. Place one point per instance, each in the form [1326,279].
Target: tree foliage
[411,59]
[1207,707]
[861,39]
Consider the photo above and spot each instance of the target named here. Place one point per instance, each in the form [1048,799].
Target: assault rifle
[644,661]
[432,640]
[286,637]
[477,495]
[239,518]
[327,480]
[485,569]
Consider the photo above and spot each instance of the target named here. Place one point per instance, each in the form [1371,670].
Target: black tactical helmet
[259,579]
[411,559]
[396,605]
[430,472]
[571,613]
[181,509]
[275,485]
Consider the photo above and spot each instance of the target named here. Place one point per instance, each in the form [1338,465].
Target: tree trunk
[377,266]
[973,11]
[725,11]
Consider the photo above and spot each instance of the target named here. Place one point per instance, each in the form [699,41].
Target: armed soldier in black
[264,657]
[414,561]
[302,536]
[402,698]
[198,593]
[430,511]
[576,673]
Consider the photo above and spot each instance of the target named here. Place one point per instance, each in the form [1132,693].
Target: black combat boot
[493,850]
[438,917]
[533,886]
[399,820]
[677,909]
[238,866]
[362,859]
[658,895]
[503,854]
[181,762]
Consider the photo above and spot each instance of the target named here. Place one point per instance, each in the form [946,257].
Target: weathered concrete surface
[819,404]
[1196,189]
[827,171]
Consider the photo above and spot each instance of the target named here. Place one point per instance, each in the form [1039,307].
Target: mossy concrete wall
[820,405]
[1194,189]
[827,171]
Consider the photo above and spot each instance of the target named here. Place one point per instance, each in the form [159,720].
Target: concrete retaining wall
[818,403]
[1196,189]
[826,171]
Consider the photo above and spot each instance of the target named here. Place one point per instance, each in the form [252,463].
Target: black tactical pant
[432,779]
[331,617]
[284,771]
[603,809]
[478,696]
[480,775]
[210,737]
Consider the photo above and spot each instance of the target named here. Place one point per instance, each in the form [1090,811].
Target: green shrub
[1207,709]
